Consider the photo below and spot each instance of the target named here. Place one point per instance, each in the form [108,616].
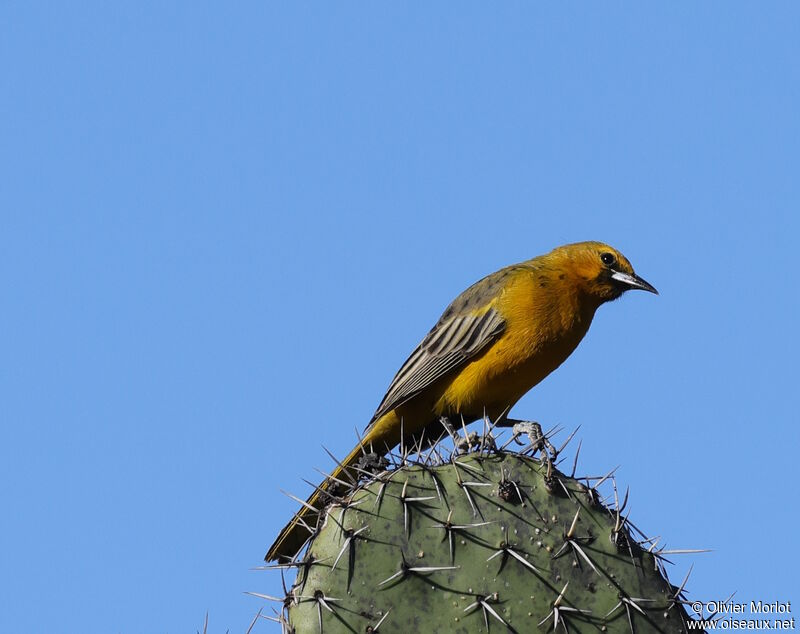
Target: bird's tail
[295,534]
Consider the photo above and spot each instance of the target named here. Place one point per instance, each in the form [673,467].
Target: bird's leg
[533,430]
[451,431]
[372,462]
[462,444]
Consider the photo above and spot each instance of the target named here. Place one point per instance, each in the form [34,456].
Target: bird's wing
[466,328]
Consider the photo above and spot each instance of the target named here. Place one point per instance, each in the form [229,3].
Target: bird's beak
[633,281]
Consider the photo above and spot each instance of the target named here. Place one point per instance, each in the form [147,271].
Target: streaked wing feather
[452,342]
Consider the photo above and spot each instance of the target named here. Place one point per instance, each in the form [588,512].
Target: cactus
[485,540]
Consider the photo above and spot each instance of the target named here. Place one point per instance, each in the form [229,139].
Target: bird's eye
[608,258]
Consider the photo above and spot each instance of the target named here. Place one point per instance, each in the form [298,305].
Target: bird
[493,343]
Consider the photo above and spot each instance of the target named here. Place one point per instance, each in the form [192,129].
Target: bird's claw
[372,463]
[538,440]
[465,444]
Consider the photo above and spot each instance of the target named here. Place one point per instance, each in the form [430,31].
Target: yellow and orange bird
[494,342]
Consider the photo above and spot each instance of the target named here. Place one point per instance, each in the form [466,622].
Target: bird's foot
[372,463]
[537,438]
[465,444]
[470,441]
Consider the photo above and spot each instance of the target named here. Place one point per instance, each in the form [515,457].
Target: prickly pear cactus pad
[481,541]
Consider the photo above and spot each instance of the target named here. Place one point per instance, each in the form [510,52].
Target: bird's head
[601,271]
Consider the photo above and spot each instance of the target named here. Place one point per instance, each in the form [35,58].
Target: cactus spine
[490,540]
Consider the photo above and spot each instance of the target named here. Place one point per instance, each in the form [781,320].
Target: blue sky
[224,227]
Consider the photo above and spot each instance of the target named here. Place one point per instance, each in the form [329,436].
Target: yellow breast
[545,321]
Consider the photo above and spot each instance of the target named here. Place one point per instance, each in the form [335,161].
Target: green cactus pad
[495,541]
